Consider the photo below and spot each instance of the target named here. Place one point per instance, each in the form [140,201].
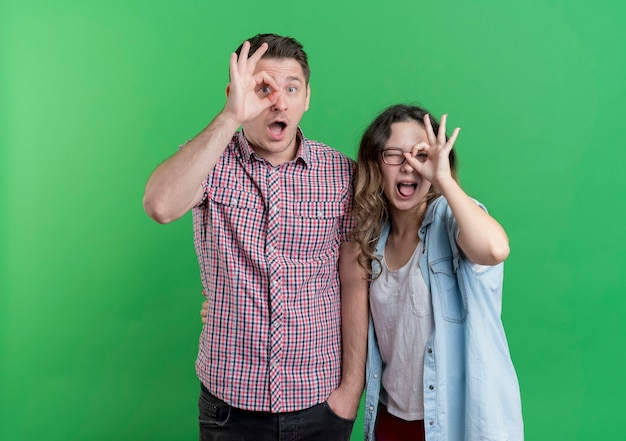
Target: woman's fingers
[430,134]
[441,136]
[452,138]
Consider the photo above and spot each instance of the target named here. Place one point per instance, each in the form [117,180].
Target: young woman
[438,363]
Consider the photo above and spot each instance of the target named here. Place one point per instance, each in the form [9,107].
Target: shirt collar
[430,212]
[303,155]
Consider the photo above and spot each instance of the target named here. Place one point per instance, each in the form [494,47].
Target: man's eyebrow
[289,79]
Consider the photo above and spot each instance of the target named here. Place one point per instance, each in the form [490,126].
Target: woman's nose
[405,167]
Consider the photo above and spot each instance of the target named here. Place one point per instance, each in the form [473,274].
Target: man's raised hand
[244,102]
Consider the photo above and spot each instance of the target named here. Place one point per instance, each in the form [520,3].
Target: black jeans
[221,422]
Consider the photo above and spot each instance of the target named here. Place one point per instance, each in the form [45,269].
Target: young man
[272,212]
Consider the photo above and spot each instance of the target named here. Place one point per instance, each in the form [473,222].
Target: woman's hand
[431,159]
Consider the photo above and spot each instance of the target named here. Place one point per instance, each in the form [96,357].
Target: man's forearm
[175,186]
[354,313]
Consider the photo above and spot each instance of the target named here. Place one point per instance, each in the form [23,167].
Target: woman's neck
[403,239]
[405,224]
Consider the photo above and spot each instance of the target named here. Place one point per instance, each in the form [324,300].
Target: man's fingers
[247,64]
[234,72]
[243,55]
[256,56]
[270,96]
[264,78]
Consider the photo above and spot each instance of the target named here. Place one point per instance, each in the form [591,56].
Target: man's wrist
[228,120]
[352,389]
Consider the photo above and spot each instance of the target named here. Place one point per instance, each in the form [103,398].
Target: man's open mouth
[277,127]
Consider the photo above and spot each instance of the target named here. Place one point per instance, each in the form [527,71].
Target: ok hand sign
[430,159]
[243,103]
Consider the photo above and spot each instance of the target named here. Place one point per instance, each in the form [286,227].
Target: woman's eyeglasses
[393,156]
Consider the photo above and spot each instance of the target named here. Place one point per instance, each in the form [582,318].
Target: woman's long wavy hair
[370,204]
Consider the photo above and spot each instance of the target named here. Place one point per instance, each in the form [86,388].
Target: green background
[99,304]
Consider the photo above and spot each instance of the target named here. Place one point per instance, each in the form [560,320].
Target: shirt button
[371,408]
[432,423]
[430,350]
[320,214]
[431,387]
[375,375]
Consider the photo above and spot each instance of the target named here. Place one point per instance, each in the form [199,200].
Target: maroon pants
[392,428]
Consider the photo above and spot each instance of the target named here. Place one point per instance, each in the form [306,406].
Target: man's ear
[308,96]
[227,89]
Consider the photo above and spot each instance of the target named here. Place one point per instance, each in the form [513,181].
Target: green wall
[99,304]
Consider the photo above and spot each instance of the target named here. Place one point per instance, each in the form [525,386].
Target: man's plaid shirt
[267,240]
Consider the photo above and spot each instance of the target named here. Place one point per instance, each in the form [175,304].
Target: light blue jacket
[471,391]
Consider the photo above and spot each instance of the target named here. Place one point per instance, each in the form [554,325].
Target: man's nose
[281,103]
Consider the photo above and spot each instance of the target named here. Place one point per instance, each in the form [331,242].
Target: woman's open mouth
[406,189]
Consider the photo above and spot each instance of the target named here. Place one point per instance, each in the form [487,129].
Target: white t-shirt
[401,309]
